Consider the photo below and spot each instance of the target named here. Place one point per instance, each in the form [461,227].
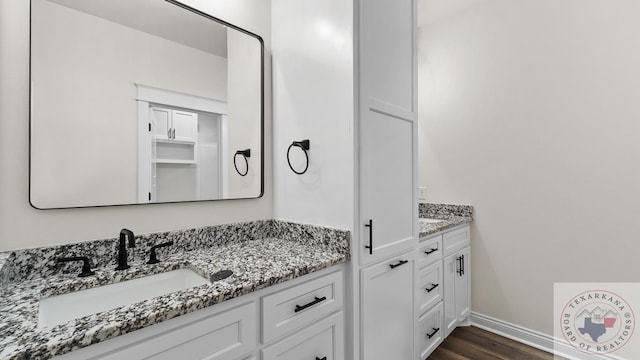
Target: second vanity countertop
[256,264]
[427,227]
[451,216]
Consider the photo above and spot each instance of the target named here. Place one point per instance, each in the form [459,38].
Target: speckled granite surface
[260,254]
[451,216]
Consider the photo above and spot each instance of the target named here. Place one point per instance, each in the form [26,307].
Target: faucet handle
[86,267]
[153,259]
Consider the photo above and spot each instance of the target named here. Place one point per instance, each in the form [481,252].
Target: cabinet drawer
[302,304]
[225,335]
[430,250]
[430,332]
[322,340]
[455,240]
[429,286]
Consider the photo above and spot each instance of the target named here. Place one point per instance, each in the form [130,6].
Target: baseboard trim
[532,338]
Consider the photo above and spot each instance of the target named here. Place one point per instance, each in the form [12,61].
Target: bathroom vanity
[285,295]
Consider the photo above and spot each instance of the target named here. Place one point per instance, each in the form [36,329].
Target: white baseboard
[533,338]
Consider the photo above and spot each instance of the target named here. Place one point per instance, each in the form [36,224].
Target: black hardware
[149,196]
[324,358]
[370,246]
[245,154]
[435,331]
[149,127]
[304,145]
[401,262]
[460,270]
[86,268]
[431,251]
[316,301]
[433,286]
[125,234]
[153,259]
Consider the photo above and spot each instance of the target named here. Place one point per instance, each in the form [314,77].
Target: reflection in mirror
[141,101]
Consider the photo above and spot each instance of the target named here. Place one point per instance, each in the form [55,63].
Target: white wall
[244,108]
[22,226]
[529,111]
[313,99]
[85,117]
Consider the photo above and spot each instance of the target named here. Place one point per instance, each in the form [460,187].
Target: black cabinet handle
[431,251]
[370,246]
[317,300]
[460,270]
[324,358]
[435,331]
[433,286]
[401,262]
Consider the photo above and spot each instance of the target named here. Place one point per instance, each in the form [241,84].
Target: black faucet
[153,259]
[122,248]
[86,268]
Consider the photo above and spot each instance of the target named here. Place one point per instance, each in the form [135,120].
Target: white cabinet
[212,334]
[230,330]
[387,129]
[297,306]
[177,125]
[387,309]
[429,332]
[457,285]
[323,340]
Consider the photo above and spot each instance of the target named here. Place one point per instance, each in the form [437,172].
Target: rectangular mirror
[142,101]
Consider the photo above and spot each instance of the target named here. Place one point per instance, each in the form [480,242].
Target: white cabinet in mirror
[141,101]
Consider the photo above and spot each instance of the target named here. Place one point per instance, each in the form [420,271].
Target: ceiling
[159,18]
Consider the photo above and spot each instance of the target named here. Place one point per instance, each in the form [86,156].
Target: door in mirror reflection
[141,101]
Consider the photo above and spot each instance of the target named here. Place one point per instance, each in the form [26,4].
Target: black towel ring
[304,145]
[245,154]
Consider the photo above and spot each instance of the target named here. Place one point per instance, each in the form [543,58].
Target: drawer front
[322,340]
[300,305]
[430,250]
[455,240]
[225,335]
[430,332]
[430,287]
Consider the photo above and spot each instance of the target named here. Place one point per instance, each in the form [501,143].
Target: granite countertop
[451,216]
[256,264]
[428,227]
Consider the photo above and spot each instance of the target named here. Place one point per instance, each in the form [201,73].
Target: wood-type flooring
[472,343]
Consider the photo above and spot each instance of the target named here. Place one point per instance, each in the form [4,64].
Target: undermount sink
[430,221]
[62,308]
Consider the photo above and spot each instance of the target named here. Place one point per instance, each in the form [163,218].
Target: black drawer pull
[435,331]
[431,251]
[324,358]
[433,286]
[317,300]
[401,262]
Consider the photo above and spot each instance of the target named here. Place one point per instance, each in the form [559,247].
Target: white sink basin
[430,221]
[62,308]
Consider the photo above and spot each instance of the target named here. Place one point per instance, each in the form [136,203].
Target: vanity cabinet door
[387,309]
[204,334]
[456,289]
